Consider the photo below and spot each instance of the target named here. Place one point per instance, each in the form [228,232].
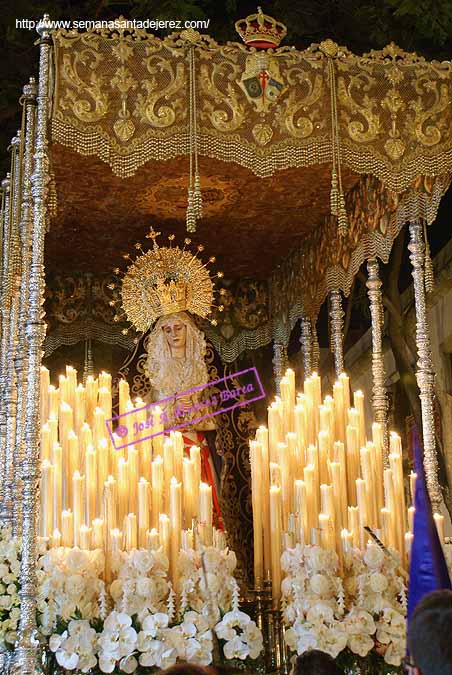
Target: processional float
[378,127]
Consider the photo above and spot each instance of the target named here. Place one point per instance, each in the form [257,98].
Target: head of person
[188,669]
[315,662]
[429,635]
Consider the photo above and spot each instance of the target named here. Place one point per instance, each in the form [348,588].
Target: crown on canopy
[165,280]
[260,30]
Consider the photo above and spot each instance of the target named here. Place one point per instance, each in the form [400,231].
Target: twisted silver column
[27,646]
[5,311]
[306,346]
[315,348]
[279,364]
[337,331]
[25,227]
[9,397]
[380,403]
[425,375]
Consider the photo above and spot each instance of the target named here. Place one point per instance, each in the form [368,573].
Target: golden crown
[260,30]
[165,280]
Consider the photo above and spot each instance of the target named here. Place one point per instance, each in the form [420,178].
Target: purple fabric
[428,569]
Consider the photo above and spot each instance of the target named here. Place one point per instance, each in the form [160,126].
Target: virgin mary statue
[160,290]
[175,364]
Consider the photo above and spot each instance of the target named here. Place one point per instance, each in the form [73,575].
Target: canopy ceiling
[249,223]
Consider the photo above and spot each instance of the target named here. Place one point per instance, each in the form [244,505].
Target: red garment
[207,472]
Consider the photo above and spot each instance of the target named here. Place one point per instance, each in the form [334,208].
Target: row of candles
[148,495]
[316,478]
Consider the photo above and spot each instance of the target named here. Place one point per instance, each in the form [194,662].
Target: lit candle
[47,481]
[353,525]
[152,540]
[143,511]
[408,544]
[178,454]
[413,477]
[175,515]
[339,415]
[116,540]
[275,528]
[351,434]
[71,385]
[274,431]
[110,504]
[188,474]
[325,535]
[301,510]
[54,401]
[286,482]
[256,499]
[205,512]
[131,531]
[97,535]
[80,409]
[346,539]
[85,537]
[262,438]
[324,452]
[45,441]
[157,489]
[195,456]
[67,529]
[90,483]
[157,426]
[91,388]
[132,463]
[358,401]
[439,522]
[123,489]
[411,511]
[164,531]
[57,488]
[77,504]
[44,398]
[56,539]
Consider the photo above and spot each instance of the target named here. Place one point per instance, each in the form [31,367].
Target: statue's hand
[184,402]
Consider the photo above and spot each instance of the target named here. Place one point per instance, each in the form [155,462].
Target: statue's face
[176,334]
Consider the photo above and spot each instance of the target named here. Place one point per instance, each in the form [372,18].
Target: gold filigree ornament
[165,280]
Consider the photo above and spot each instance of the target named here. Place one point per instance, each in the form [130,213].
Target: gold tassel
[337,199]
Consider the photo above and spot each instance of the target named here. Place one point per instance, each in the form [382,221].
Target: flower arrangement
[9,589]
[358,618]
[139,622]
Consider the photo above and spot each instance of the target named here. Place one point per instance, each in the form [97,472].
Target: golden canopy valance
[124,96]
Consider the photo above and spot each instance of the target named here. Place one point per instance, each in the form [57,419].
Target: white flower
[66,655]
[395,652]
[155,622]
[143,561]
[320,612]
[320,584]
[374,557]
[128,664]
[236,649]
[378,582]
[360,644]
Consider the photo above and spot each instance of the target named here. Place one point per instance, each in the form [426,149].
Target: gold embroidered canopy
[276,131]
